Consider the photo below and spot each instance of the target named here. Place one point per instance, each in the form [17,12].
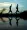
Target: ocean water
[22,24]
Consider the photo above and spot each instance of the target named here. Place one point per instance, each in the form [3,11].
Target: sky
[22,4]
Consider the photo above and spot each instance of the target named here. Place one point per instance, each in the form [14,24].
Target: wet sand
[22,25]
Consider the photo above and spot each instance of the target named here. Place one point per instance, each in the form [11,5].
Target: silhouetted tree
[1,13]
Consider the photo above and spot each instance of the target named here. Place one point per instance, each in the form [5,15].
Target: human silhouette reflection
[17,19]
[10,18]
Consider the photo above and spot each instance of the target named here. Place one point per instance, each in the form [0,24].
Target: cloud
[7,4]
[21,7]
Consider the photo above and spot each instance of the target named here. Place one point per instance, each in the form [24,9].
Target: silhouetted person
[10,11]
[17,9]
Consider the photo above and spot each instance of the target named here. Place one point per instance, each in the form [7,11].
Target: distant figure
[10,7]
[10,11]
[17,9]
